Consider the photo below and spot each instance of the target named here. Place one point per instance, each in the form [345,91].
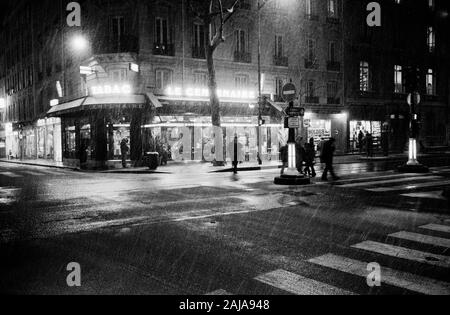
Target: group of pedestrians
[306,157]
[365,141]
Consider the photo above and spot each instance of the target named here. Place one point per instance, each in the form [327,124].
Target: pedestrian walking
[327,159]
[124,151]
[320,146]
[361,141]
[369,145]
[299,154]
[310,157]
[284,155]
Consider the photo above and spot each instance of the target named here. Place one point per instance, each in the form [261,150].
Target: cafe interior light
[2,103]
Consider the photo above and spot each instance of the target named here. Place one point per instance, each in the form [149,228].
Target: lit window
[431,4]
[364,76]
[398,79]
[241,81]
[162,32]
[332,9]
[163,79]
[310,88]
[431,39]
[332,51]
[332,87]
[431,82]
[241,41]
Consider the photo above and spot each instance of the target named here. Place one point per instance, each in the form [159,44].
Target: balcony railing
[333,20]
[333,66]
[240,56]
[163,49]
[311,64]
[312,99]
[126,43]
[312,17]
[333,101]
[198,52]
[280,61]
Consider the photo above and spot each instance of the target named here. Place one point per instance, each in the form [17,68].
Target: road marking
[299,285]
[11,175]
[405,253]
[33,173]
[410,187]
[427,195]
[380,182]
[420,238]
[354,180]
[389,276]
[219,292]
[437,227]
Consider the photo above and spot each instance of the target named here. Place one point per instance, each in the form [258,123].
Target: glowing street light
[79,43]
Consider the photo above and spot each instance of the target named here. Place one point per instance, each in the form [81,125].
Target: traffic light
[413,78]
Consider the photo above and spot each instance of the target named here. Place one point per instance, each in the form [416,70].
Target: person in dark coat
[310,156]
[369,145]
[284,155]
[124,151]
[299,154]
[327,159]
[361,141]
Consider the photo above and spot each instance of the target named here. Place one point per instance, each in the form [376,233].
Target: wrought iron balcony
[163,49]
[280,61]
[126,43]
[333,101]
[333,66]
[240,56]
[198,52]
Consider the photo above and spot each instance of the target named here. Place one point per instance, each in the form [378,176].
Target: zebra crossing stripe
[299,285]
[405,253]
[393,176]
[392,181]
[410,187]
[389,276]
[11,175]
[219,292]
[420,238]
[437,228]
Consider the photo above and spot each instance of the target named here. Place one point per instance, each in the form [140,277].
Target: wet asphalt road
[194,233]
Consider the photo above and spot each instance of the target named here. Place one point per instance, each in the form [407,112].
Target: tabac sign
[111,89]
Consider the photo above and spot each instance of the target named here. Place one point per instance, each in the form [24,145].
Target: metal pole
[259,133]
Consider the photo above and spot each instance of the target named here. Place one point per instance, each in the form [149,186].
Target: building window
[162,31]
[431,39]
[398,79]
[117,31]
[332,51]
[119,75]
[199,41]
[332,9]
[397,1]
[311,50]
[309,8]
[279,46]
[310,88]
[163,79]
[241,41]
[431,82]
[241,81]
[201,79]
[332,87]
[279,84]
[364,76]
[431,4]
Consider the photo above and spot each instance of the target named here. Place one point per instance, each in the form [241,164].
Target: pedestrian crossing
[430,185]
[297,284]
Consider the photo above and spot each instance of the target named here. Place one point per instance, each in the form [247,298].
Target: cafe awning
[98,102]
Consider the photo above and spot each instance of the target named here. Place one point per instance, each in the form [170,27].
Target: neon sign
[204,93]
[114,89]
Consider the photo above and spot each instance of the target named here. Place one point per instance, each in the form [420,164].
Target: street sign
[289,92]
[294,122]
[295,111]
[307,123]
[413,99]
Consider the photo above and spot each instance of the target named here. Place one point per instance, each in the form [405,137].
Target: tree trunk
[212,84]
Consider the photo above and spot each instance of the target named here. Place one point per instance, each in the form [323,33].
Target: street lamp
[79,43]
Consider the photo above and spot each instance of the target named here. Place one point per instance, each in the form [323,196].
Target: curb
[42,165]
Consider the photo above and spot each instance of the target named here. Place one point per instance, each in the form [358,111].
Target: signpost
[413,165]
[293,122]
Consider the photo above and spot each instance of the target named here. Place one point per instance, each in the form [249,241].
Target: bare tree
[214,14]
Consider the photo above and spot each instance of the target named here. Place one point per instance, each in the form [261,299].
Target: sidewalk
[192,167]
